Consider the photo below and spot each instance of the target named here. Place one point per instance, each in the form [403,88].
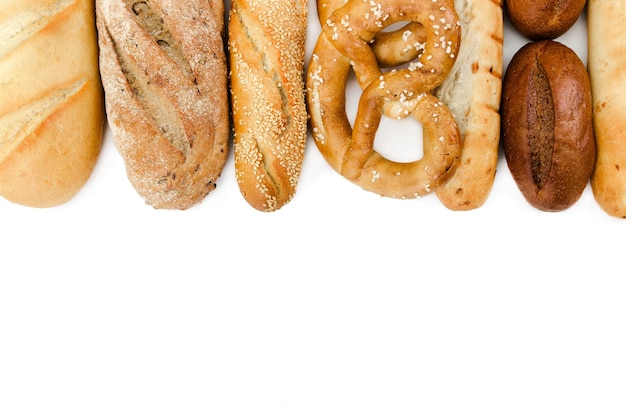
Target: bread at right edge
[606,63]
[472,92]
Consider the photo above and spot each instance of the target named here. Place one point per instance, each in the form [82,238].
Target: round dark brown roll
[548,136]
[543,19]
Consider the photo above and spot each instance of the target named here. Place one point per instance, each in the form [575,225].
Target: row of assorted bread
[178,80]
[158,72]
[564,123]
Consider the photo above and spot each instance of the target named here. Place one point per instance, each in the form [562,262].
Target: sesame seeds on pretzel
[348,30]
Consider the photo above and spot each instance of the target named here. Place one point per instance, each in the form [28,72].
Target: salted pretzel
[399,46]
[348,29]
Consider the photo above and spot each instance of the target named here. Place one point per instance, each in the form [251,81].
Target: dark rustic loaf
[163,68]
[51,107]
[547,124]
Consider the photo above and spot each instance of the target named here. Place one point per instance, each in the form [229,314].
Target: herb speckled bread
[163,68]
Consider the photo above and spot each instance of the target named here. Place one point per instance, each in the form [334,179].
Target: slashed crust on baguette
[266,44]
[472,92]
[163,67]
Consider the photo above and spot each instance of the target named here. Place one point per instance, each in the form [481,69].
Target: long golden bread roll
[51,108]
[266,45]
[472,92]
[606,62]
[163,67]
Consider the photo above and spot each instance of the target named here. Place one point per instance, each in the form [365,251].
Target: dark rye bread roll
[163,67]
[266,45]
[548,136]
[543,19]
[51,107]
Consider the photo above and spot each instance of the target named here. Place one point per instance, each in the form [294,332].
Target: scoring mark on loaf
[18,28]
[270,67]
[152,21]
[160,110]
[540,124]
[18,124]
[275,139]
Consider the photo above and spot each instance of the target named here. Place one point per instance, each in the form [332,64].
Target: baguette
[51,107]
[266,45]
[607,72]
[472,92]
[163,67]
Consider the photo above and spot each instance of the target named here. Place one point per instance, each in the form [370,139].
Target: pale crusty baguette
[472,92]
[266,44]
[51,108]
[163,67]
[606,62]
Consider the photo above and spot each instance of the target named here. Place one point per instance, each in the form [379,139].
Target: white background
[341,298]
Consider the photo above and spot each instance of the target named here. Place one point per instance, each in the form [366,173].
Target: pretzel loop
[344,45]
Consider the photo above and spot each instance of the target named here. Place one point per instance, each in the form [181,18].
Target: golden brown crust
[472,91]
[163,67]
[607,71]
[547,127]
[543,19]
[396,47]
[266,45]
[51,108]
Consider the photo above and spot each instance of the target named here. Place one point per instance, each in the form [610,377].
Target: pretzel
[400,46]
[343,46]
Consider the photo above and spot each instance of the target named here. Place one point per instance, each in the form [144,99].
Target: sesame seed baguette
[163,67]
[266,48]
[51,107]
[472,92]
[607,71]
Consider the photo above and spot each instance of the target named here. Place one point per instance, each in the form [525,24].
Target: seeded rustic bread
[51,108]
[266,44]
[472,92]
[607,70]
[163,67]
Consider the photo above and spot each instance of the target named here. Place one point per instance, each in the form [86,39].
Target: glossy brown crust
[163,67]
[471,91]
[266,51]
[344,47]
[51,107]
[547,128]
[543,19]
